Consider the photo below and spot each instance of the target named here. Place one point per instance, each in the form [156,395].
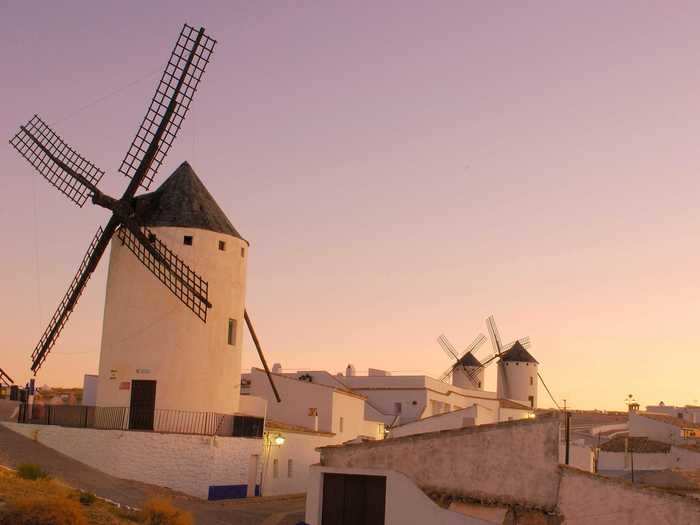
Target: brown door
[349,499]
[143,405]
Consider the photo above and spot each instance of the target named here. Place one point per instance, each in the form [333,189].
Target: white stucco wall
[297,398]
[456,419]
[405,502]
[580,456]
[511,414]
[417,395]
[684,458]
[617,461]
[298,447]
[253,406]
[90,390]
[640,426]
[190,464]
[149,334]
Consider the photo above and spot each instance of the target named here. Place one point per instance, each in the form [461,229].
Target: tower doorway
[143,404]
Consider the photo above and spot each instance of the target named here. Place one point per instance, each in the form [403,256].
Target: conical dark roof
[468,360]
[183,201]
[517,352]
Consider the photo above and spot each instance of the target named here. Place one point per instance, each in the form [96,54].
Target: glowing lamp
[279,440]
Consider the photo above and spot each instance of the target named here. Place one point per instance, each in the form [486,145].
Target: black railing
[159,420]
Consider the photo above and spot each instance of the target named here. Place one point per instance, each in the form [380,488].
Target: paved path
[16,449]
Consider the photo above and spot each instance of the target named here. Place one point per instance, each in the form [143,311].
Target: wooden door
[143,405]
[350,499]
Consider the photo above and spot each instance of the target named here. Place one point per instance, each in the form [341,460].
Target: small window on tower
[479,384]
[275,468]
[232,332]
[340,426]
[222,246]
[532,381]
[242,251]
[290,468]
[397,408]
[531,399]
[187,240]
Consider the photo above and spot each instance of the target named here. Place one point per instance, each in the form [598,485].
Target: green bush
[31,471]
[86,498]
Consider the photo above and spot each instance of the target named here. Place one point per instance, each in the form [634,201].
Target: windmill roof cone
[518,353]
[183,200]
[469,360]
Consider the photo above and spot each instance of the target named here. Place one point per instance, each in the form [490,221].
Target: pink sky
[400,171]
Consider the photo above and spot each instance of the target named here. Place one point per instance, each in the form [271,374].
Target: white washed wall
[301,449]
[190,464]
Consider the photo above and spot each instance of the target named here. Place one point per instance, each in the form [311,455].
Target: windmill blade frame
[495,336]
[168,108]
[249,324]
[525,341]
[61,165]
[447,373]
[448,348]
[5,379]
[177,276]
[92,257]
[474,346]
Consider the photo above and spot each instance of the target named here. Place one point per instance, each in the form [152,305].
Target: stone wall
[405,503]
[190,464]
[587,499]
[508,462]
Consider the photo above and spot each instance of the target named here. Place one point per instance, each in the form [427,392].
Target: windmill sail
[67,170]
[65,308]
[168,108]
[173,272]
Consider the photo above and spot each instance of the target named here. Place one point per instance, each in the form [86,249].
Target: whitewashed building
[315,411]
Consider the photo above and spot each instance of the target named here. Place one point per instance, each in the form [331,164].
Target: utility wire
[550,394]
[106,96]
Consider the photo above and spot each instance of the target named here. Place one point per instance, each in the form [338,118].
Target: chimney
[277,368]
[350,370]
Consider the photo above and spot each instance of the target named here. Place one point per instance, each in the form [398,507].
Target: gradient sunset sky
[401,169]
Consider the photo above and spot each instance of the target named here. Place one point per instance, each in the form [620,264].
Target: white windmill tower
[173,342]
[517,376]
[467,371]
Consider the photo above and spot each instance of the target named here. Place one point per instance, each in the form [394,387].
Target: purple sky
[400,171]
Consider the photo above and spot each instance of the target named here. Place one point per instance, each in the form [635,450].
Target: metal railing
[159,420]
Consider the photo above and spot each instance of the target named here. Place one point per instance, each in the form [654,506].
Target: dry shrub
[161,511]
[31,471]
[44,511]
